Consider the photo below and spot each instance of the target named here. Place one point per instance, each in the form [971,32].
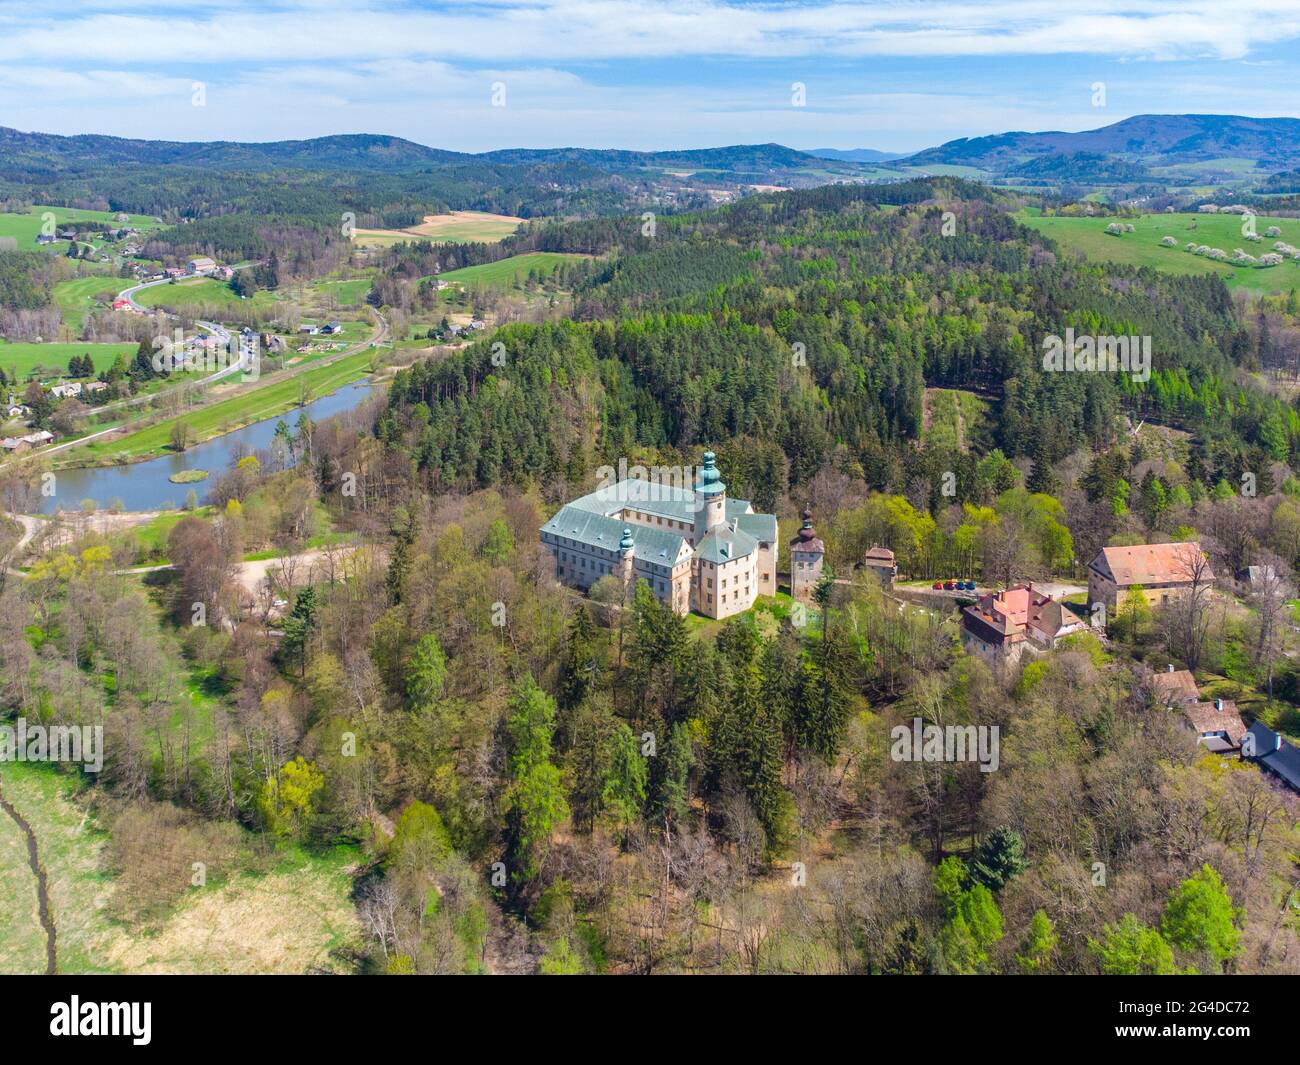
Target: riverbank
[224,416]
[146,484]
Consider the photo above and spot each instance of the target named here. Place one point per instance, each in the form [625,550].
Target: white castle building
[697,549]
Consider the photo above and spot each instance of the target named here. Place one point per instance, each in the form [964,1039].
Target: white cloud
[895,74]
[551,31]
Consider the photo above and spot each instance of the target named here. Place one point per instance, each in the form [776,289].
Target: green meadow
[228,414]
[27,358]
[348,293]
[289,911]
[25,227]
[506,273]
[76,298]
[199,292]
[1143,248]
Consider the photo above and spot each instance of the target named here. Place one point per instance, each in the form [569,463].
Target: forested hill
[807,325]
[1154,139]
[391,181]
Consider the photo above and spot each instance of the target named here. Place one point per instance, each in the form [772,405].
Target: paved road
[215,328]
[378,337]
[1056,589]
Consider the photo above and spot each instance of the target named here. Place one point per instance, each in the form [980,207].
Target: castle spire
[710,482]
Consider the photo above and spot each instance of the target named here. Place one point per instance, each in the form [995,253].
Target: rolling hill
[1153,140]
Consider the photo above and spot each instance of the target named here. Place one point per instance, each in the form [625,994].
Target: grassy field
[25,358]
[954,419]
[456,227]
[25,227]
[289,919]
[1143,248]
[76,298]
[228,414]
[347,293]
[199,292]
[22,940]
[507,273]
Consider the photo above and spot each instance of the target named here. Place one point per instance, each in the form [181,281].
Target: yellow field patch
[456,226]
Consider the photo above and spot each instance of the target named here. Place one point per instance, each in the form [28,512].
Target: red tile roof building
[999,627]
[1160,570]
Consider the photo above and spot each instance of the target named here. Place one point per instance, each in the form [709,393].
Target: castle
[694,547]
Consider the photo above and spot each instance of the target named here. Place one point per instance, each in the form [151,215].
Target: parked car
[949,586]
[970,586]
[937,586]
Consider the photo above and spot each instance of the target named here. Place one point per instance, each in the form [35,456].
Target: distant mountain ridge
[1154,140]
[856,155]
[376,153]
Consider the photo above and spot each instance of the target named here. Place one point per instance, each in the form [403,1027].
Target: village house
[1000,626]
[807,553]
[202,265]
[1218,725]
[1175,687]
[1257,577]
[1274,755]
[24,443]
[1160,570]
[66,390]
[695,548]
[880,560]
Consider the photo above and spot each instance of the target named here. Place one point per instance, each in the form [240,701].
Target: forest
[540,781]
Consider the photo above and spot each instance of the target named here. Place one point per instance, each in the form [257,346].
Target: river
[145,485]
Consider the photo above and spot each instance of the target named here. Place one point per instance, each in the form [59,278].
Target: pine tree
[1000,858]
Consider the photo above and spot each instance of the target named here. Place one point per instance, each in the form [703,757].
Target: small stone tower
[806,554]
[626,553]
[710,500]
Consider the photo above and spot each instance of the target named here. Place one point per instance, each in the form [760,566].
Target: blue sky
[896,75]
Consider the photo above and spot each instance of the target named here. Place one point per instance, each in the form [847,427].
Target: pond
[145,485]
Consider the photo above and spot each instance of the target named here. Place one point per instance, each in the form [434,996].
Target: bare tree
[1187,613]
[1269,593]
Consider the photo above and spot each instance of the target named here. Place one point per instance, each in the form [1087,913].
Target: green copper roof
[761,527]
[723,544]
[596,530]
[710,482]
[627,543]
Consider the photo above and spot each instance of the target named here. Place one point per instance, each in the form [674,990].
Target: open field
[455,227]
[953,418]
[507,273]
[22,940]
[290,919]
[25,357]
[347,293]
[25,227]
[199,292]
[225,415]
[1142,247]
[76,298]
